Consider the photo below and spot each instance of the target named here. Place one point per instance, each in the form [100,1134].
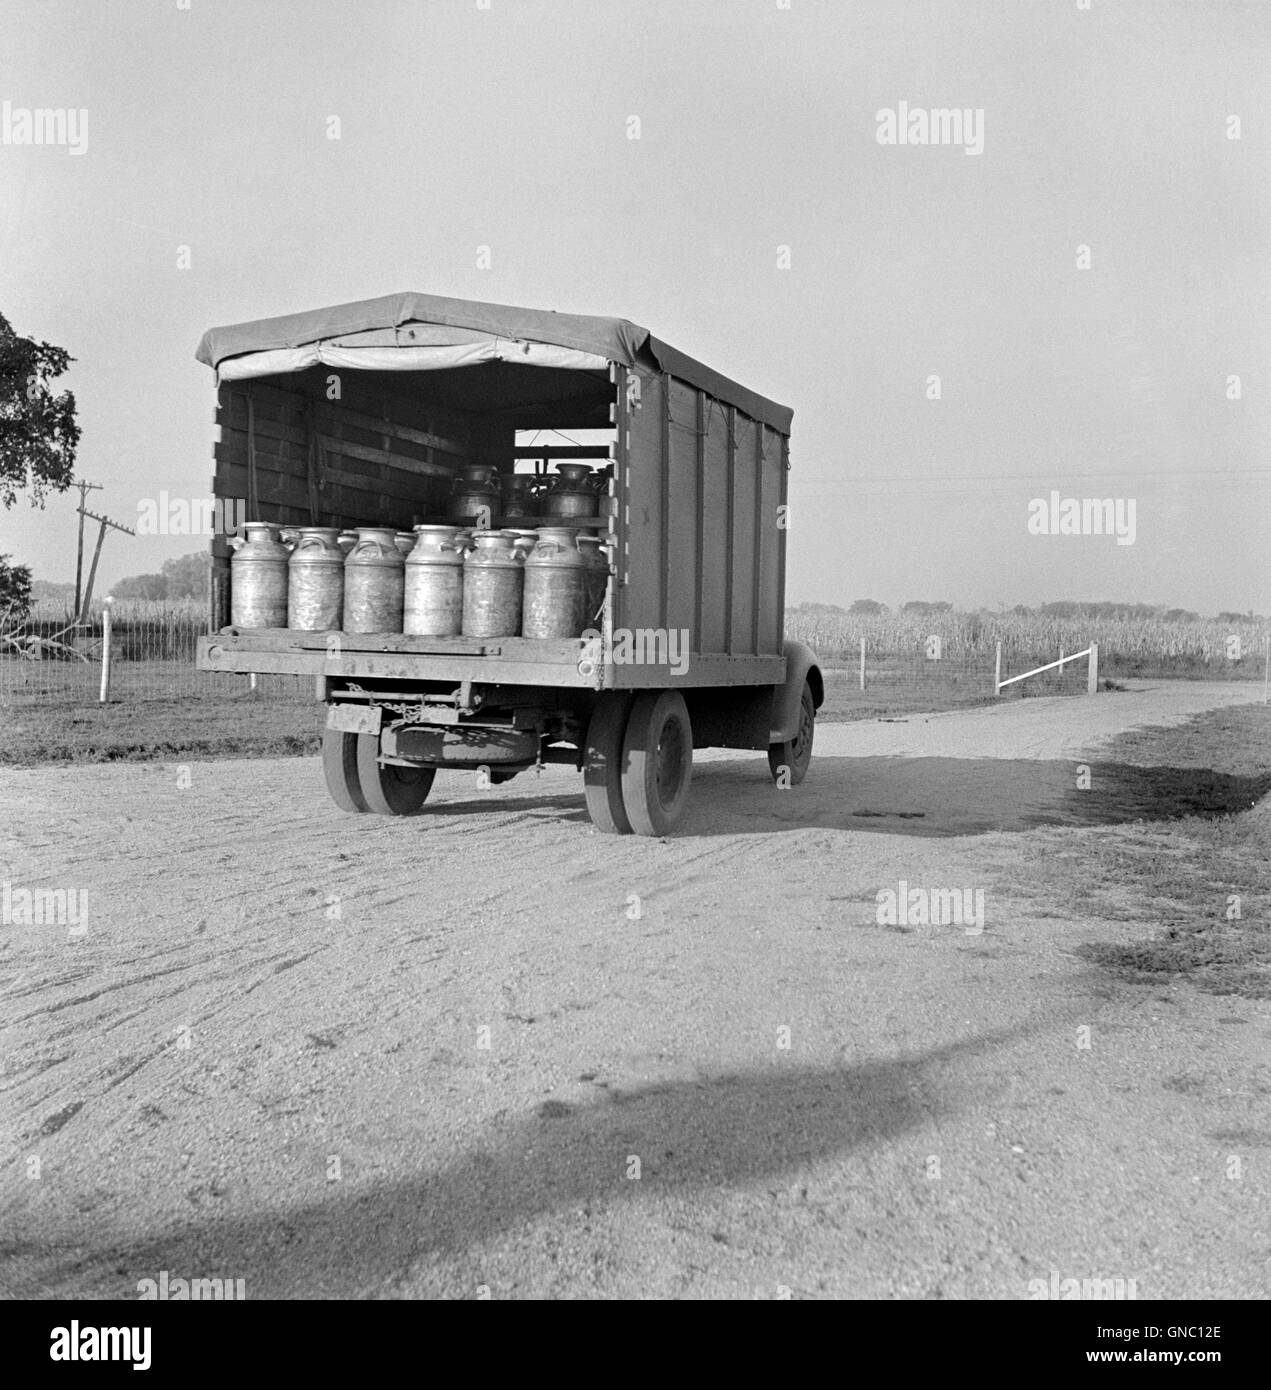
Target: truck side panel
[699,487]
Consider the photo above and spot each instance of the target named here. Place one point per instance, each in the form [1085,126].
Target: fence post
[997,672]
[862,663]
[1092,678]
[103,693]
[1266,673]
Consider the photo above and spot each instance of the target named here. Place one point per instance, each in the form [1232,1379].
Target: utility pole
[105,521]
[84,490]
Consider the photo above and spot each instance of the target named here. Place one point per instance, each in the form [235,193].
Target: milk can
[492,580]
[517,490]
[315,580]
[524,539]
[570,492]
[258,577]
[597,578]
[346,541]
[474,493]
[405,542]
[555,585]
[434,583]
[374,582]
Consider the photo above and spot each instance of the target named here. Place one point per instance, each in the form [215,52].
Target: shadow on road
[936,797]
[363,1234]
[931,797]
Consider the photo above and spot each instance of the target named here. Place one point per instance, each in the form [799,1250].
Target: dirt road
[489,1051]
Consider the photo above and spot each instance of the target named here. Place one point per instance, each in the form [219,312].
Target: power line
[892,478]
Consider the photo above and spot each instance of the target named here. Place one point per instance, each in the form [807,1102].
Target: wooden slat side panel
[682,560]
[641,500]
[744,555]
[772,550]
[371,470]
[373,493]
[715,533]
[407,408]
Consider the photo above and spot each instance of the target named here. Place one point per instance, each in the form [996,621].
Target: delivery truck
[372,414]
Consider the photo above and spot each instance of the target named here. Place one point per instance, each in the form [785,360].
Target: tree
[867,605]
[925,610]
[38,433]
[186,577]
[141,586]
[15,590]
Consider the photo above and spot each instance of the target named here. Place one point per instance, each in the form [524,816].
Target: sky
[756,223]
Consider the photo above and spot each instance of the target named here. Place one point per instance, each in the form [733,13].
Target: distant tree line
[1064,608]
[184,577]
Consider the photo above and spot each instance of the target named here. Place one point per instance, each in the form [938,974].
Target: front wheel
[388,789]
[657,762]
[790,758]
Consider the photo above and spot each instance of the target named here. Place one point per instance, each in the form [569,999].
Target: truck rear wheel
[657,762]
[388,789]
[602,763]
[339,767]
[793,755]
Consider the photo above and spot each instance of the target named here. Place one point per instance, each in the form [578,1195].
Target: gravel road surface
[489,1052]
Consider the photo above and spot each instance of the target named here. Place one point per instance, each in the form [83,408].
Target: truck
[362,414]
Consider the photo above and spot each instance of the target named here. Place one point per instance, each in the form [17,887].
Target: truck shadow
[936,797]
[362,1237]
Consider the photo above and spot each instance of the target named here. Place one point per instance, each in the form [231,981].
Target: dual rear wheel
[638,762]
[358,781]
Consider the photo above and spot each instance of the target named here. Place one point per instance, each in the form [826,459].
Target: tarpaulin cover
[616,340]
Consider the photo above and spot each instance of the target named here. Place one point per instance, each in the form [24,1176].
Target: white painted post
[1092,679]
[103,693]
[862,663]
[253,680]
[997,672]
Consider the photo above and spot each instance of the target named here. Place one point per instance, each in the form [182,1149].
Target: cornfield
[1151,646]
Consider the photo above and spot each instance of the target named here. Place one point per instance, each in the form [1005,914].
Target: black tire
[657,762]
[339,767]
[602,763]
[390,790]
[796,753]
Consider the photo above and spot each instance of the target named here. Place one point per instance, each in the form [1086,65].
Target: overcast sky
[508,127]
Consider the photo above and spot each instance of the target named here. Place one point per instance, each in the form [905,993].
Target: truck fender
[801,665]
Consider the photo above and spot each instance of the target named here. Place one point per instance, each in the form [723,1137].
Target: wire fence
[945,659]
[152,652]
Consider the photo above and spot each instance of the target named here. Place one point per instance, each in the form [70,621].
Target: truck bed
[494,660]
